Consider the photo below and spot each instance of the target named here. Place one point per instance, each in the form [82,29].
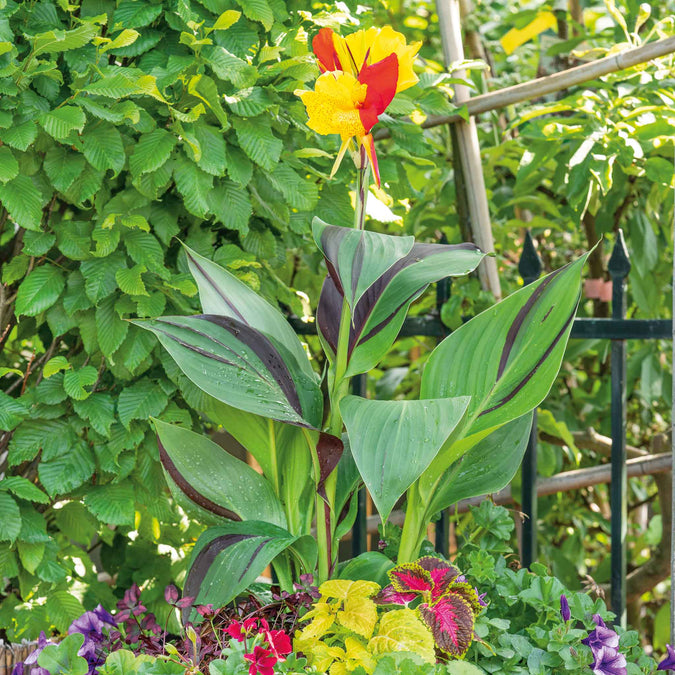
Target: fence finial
[529,264]
[619,263]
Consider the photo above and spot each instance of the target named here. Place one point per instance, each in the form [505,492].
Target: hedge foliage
[125,126]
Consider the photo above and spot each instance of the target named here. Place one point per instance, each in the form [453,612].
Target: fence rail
[618,329]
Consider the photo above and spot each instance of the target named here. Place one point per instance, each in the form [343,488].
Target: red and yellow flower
[361,74]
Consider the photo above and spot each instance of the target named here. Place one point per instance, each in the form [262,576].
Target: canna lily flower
[361,74]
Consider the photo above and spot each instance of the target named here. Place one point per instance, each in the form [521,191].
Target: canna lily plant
[465,436]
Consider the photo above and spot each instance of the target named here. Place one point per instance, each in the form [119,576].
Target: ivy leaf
[258,142]
[59,123]
[10,518]
[140,401]
[75,381]
[111,330]
[9,167]
[23,202]
[39,290]
[24,489]
[112,504]
[151,152]
[103,148]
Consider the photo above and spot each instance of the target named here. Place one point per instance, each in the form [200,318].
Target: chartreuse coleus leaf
[393,442]
[381,307]
[518,345]
[229,490]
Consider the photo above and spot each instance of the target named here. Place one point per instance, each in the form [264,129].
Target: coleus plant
[466,434]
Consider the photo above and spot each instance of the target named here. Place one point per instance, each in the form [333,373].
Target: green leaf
[249,102]
[103,148]
[112,504]
[23,202]
[194,185]
[24,489]
[130,281]
[393,442]
[76,522]
[258,142]
[151,152]
[10,518]
[229,489]
[63,166]
[127,37]
[63,608]
[75,381]
[62,659]
[99,276]
[131,14]
[19,136]
[30,554]
[487,467]
[212,145]
[99,409]
[9,167]
[231,206]
[39,290]
[369,566]
[258,10]
[60,122]
[15,269]
[68,471]
[110,329]
[205,88]
[140,401]
[55,365]
[300,193]
[229,67]
[55,41]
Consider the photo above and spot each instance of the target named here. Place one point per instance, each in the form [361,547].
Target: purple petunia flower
[31,659]
[601,636]
[669,662]
[565,608]
[608,661]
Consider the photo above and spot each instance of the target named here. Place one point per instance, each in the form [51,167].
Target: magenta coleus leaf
[390,596]
[410,577]
[451,622]
[442,574]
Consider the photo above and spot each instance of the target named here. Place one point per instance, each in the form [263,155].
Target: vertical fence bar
[530,268]
[360,527]
[619,267]
[443,288]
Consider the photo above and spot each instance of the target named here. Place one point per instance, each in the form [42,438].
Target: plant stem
[413,527]
[273,456]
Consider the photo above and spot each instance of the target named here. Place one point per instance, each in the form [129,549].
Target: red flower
[279,643]
[234,630]
[262,661]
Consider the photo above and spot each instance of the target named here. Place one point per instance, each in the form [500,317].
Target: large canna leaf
[507,357]
[240,366]
[228,558]
[381,310]
[222,293]
[393,442]
[486,468]
[212,484]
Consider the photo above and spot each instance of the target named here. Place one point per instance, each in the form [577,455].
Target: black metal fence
[618,329]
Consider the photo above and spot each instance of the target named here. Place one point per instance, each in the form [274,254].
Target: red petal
[324,50]
[369,146]
[381,79]
[451,622]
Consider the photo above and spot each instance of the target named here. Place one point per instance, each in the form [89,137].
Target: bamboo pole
[563,482]
[467,150]
[552,83]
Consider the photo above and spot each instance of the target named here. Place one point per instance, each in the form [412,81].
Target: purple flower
[565,608]
[667,664]
[601,636]
[608,661]
[31,659]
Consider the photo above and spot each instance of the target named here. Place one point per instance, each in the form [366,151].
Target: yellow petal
[333,105]
[388,41]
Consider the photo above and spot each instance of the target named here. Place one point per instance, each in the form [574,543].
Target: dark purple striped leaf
[212,485]
[228,558]
[382,308]
[240,366]
[221,293]
[507,358]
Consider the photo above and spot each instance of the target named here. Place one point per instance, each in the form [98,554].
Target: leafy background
[127,125]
